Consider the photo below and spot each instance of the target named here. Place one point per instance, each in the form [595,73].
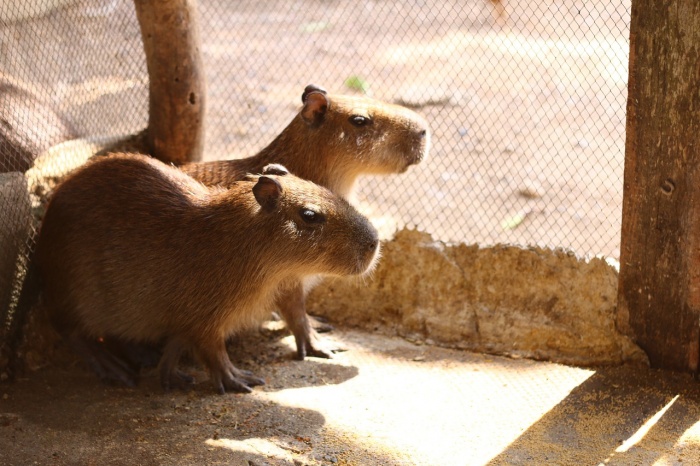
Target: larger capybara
[138,251]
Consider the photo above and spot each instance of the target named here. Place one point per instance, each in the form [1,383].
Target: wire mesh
[526,105]
[525,99]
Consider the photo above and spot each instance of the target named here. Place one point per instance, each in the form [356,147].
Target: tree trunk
[170,33]
[659,288]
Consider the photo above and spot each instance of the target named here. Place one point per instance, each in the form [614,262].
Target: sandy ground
[383,402]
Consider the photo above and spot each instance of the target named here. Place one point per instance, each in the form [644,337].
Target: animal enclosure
[526,104]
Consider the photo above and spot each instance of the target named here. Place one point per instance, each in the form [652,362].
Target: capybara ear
[267,192]
[315,106]
[275,169]
[309,89]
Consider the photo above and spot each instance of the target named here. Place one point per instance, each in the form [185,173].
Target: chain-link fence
[525,99]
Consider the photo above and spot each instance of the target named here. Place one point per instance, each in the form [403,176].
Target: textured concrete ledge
[526,302]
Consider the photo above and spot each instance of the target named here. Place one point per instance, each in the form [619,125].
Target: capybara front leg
[291,303]
[224,375]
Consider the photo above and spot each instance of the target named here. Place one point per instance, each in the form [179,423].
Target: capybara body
[135,250]
[332,141]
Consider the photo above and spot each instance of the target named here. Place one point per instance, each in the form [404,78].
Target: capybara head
[326,229]
[375,136]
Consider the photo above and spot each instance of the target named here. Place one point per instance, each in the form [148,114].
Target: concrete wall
[526,302]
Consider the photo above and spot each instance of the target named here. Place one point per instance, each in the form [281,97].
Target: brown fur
[133,249]
[321,144]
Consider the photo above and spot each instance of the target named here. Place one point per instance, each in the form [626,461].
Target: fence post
[170,33]
[659,287]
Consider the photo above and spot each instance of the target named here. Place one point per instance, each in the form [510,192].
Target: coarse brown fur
[136,250]
[332,141]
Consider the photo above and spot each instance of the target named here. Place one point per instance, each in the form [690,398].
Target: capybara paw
[312,345]
[179,380]
[237,381]
[320,324]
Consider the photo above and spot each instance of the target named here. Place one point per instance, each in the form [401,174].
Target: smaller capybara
[137,251]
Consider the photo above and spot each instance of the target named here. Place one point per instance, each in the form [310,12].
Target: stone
[527,302]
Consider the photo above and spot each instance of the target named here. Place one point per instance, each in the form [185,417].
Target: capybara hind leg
[108,367]
[224,375]
[170,375]
[291,303]
[138,355]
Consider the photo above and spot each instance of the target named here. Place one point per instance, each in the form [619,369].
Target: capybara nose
[371,242]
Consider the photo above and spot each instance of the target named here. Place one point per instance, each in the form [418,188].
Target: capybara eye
[359,120]
[310,216]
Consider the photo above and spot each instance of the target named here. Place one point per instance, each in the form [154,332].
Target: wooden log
[170,33]
[659,287]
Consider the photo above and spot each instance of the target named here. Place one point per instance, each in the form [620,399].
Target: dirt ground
[383,402]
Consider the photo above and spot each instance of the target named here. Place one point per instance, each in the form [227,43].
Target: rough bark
[170,33]
[659,292]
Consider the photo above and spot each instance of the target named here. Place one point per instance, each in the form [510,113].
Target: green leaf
[316,26]
[356,83]
[515,220]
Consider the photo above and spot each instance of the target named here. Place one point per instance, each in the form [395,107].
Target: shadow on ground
[384,401]
[618,416]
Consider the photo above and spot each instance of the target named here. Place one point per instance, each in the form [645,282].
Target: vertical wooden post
[170,33]
[659,290]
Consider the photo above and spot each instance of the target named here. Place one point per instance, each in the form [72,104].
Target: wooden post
[170,33]
[659,288]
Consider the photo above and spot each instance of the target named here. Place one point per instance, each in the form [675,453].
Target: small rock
[155,404]
[420,96]
[582,143]
[531,190]
[509,148]
[419,358]
[463,131]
